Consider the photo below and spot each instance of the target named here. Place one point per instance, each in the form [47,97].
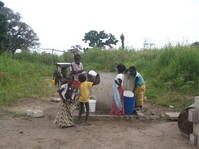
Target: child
[77,68]
[118,101]
[139,87]
[64,117]
[84,94]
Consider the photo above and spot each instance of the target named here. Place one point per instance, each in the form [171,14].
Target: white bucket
[92,105]
[128,93]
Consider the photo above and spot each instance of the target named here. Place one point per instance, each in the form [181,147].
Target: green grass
[20,79]
[171,73]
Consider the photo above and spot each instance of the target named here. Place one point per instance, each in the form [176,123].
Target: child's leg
[81,108]
[87,111]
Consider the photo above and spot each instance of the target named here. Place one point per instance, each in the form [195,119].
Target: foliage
[171,73]
[43,58]
[15,34]
[122,40]
[100,39]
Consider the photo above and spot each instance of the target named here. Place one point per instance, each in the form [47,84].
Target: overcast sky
[62,23]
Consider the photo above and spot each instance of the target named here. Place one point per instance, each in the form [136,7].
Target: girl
[118,101]
[64,117]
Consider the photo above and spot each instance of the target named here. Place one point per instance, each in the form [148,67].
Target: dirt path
[21,132]
[41,133]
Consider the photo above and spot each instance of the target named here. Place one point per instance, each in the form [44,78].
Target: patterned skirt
[139,95]
[64,116]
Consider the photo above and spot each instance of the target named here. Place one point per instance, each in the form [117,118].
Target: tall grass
[43,58]
[171,73]
[19,79]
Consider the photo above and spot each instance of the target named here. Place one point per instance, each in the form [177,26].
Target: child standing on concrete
[85,87]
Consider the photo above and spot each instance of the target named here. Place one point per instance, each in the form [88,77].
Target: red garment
[76,83]
[115,110]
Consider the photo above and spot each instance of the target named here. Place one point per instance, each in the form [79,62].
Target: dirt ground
[17,131]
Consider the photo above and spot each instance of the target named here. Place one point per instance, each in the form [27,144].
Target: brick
[196,128]
[193,115]
[196,102]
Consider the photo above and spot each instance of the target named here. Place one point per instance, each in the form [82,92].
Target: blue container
[129,105]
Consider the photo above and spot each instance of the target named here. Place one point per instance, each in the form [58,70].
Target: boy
[85,93]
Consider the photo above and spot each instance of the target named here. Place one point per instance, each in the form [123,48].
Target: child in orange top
[85,93]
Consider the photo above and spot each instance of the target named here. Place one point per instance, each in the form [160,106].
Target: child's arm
[97,80]
[60,91]
[118,82]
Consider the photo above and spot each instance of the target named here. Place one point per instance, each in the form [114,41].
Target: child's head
[132,70]
[77,58]
[82,78]
[120,68]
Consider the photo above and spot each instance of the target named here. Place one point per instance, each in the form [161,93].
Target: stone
[172,115]
[35,113]
[170,106]
[193,139]
[54,99]
[140,114]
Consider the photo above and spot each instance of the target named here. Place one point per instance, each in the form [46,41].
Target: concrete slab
[172,115]
[35,113]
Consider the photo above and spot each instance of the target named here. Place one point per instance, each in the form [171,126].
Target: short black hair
[82,78]
[132,68]
[77,55]
[121,68]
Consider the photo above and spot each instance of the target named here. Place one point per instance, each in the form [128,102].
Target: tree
[1,4]
[22,37]
[3,29]
[100,39]
[195,44]
[17,34]
[122,40]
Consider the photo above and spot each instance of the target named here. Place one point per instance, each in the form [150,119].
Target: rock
[140,114]
[162,115]
[35,113]
[172,115]
[170,106]
[54,99]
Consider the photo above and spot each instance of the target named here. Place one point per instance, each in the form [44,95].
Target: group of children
[127,80]
[74,92]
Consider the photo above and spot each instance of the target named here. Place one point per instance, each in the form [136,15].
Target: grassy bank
[171,73]
[21,79]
